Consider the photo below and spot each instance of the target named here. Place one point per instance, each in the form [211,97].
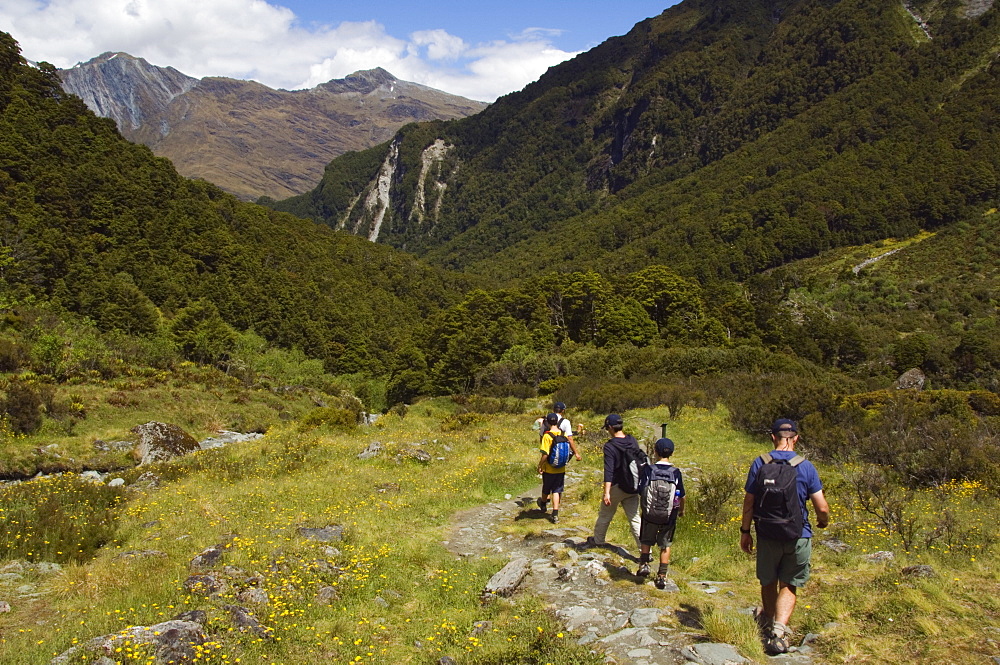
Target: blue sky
[478,50]
[575,25]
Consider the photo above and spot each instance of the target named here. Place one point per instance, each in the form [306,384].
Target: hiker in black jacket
[614,495]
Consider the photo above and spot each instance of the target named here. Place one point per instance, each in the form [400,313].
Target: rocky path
[583,587]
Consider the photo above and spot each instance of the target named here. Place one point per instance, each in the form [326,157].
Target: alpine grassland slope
[720,138]
[384,588]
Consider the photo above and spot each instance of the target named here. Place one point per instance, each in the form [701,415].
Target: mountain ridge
[250,139]
[687,108]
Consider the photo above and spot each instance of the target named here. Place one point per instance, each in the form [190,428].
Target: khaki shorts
[787,561]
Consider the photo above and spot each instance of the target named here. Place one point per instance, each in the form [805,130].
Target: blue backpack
[559,451]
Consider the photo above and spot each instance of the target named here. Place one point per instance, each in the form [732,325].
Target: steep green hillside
[720,138]
[97,226]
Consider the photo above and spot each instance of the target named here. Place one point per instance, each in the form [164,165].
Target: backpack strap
[766,458]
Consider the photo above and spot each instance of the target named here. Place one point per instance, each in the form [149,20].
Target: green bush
[618,397]
[714,495]
[60,518]
[13,355]
[459,421]
[22,406]
[493,405]
[549,386]
[984,402]
[333,417]
[755,400]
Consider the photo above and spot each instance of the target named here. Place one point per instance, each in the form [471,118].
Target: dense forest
[720,138]
[98,227]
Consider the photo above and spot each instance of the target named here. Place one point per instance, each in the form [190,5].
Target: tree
[624,322]
[409,376]
[201,334]
[673,303]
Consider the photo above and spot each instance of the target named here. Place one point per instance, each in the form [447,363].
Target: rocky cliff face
[247,138]
[128,90]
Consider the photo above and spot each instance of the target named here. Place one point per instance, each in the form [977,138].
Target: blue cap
[784,428]
[664,447]
[613,420]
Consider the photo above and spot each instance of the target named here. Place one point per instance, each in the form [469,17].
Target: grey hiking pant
[629,503]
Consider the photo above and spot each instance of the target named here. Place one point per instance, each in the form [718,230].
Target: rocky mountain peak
[363,82]
[125,88]
[248,138]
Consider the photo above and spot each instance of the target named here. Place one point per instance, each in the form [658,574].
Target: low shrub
[22,406]
[13,355]
[330,416]
[57,518]
[714,495]
[618,397]
[492,405]
[460,421]
[755,400]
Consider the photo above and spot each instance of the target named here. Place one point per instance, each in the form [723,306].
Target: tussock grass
[739,630]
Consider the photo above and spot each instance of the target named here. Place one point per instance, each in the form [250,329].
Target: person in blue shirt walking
[782,564]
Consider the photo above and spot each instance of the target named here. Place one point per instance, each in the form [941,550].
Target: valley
[738,211]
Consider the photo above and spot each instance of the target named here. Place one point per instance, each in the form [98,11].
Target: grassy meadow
[399,595]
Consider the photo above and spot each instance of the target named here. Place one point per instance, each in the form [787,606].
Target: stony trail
[627,623]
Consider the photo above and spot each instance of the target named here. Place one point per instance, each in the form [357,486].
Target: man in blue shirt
[782,565]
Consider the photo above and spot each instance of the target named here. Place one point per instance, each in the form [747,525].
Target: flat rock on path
[577,583]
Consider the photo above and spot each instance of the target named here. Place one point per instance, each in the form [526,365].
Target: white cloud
[440,45]
[265,42]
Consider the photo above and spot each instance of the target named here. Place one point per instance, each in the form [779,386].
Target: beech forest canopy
[97,226]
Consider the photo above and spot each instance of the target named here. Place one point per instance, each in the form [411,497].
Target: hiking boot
[661,582]
[541,504]
[777,643]
[555,517]
[643,570]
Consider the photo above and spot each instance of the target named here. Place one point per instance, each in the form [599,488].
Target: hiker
[662,499]
[564,424]
[621,483]
[552,464]
[776,502]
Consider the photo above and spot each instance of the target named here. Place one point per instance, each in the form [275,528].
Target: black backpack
[630,464]
[658,493]
[776,508]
